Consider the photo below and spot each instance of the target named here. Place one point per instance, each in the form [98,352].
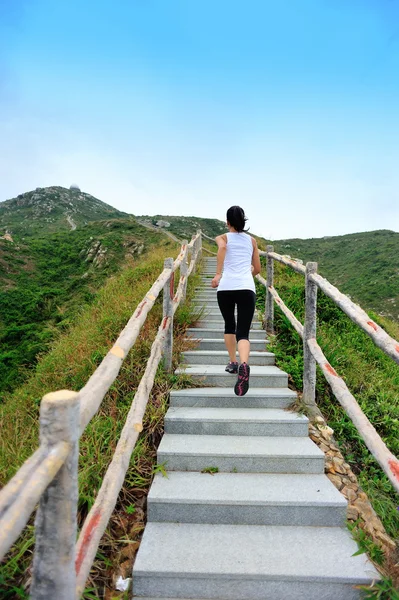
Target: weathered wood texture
[52,466]
[207,237]
[297,325]
[183,271]
[269,303]
[286,260]
[98,517]
[16,484]
[22,503]
[53,573]
[309,331]
[92,394]
[168,294]
[385,458]
[384,341]
[209,251]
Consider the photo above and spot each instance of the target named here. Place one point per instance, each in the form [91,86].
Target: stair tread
[211,353]
[251,552]
[227,392]
[219,370]
[249,415]
[246,488]
[239,446]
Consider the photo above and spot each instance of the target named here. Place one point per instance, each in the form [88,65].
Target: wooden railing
[50,476]
[313,354]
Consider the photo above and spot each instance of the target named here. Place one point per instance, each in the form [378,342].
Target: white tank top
[237,273]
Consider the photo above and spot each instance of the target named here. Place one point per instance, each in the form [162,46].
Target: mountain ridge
[52,209]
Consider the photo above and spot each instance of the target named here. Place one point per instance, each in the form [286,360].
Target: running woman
[237,262]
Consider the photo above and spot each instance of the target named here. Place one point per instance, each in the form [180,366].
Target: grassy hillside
[185,227]
[52,209]
[363,265]
[69,364]
[371,376]
[44,281]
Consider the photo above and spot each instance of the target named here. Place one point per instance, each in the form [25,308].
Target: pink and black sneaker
[232,367]
[242,384]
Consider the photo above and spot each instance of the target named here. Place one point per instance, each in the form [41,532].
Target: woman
[238,259]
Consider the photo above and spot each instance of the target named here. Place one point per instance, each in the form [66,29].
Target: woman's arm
[221,241]
[256,268]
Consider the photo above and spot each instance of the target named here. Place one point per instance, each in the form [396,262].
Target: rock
[319,419]
[323,447]
[326,431]
[352,513]
[349,493]
[365,509]
[383,537]
[338,464]
[335,479]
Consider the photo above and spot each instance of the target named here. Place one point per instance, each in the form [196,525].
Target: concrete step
[216,376]
[218,344]
[273,422]
[247,562]
[208,323]
[246,499]
[213,312]
[220,357]
[226,398]
[204,332]
[244,454]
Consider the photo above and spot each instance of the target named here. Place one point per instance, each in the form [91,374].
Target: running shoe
[242,384]
[232,367]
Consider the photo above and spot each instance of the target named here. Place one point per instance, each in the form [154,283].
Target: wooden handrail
[388,462]
[19,497]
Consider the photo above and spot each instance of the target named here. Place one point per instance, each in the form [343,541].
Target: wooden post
[56,519]
[269,301]
[184,270]
[168,312]
[309,332]
[199,246]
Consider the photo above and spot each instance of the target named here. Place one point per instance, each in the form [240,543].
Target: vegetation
[52,209]
[185,227]
[363,265]
[371,376]
[69,364]
[46,280]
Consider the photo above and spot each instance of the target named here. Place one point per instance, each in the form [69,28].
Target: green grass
[371,376]
[72,360]
[45,211]
[49,279]
[363,265]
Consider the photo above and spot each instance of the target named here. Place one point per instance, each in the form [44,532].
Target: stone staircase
[245,512]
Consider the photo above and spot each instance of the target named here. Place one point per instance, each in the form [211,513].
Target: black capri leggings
[245,300]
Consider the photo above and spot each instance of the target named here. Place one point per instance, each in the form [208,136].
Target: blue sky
[290,109]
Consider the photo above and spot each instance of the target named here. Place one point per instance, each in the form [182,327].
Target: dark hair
[236,217]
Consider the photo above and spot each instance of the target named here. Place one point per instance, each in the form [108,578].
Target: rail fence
[313,354]
[49,478]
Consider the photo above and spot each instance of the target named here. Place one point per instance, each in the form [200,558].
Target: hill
[185,227]
[52,209]
[46,280]
[363,265]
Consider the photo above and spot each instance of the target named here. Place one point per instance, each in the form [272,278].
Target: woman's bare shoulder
[221,240]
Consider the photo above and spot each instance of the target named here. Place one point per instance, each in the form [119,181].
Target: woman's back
[237,274]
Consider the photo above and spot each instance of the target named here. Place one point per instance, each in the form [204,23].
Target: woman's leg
[245,313]
[227,305]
